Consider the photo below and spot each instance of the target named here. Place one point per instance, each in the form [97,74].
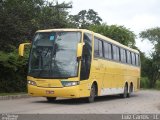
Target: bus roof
[95,34]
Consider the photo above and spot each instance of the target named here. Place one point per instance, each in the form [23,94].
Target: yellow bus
[78,63]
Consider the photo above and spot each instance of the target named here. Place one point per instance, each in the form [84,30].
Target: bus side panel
[84,88]
[97,73]
[113,78]
[132,75]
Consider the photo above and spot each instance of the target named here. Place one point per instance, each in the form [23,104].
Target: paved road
[145,101]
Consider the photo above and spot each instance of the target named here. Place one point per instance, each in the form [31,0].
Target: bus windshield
[53,55]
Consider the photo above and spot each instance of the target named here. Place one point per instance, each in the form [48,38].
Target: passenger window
[107,50]
[118,55]
[128,57]
[137,60]
[98,48]
[115,53]
[123,55]
[133,59]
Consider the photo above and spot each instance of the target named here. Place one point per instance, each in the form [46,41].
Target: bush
[13,72]
[158,84]
[144,83]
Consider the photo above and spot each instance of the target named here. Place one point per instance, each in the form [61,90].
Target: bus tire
[91,98]
[130,90]
[125,93]
[51,99]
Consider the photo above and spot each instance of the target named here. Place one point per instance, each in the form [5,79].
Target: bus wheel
[125,93]
[91,98]
[51,99]
[130,91]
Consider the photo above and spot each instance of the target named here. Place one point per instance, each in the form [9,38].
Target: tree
[85,18]
[118,33]
[152,66]
[54,15]
[19,19]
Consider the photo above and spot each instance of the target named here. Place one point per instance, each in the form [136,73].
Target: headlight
[32,83]
[69,83]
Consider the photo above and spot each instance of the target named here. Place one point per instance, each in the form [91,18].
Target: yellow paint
[107,74]
[68,92]
[79,49]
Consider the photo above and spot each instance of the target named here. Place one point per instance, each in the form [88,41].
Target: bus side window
[116,53]
[133,58]
[107,50]
[123,55]
[98,48]
[137,60]
[86,57]
[128,57]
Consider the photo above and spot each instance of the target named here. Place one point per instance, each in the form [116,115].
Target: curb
[11,97]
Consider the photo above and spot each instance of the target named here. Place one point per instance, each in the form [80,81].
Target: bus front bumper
[67,92]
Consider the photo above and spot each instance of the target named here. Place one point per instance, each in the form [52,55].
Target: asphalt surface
[144,101]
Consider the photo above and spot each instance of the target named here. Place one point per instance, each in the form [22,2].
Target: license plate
[49,92]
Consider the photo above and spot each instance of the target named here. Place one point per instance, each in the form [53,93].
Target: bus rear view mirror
[79,49]
[21,48]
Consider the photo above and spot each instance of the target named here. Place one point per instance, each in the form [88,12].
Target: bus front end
[53,64]
[68,88]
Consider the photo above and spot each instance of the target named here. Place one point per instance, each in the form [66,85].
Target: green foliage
[152,34]
[144,82]
[13,72]
[19,19]
[157,84]
[6,94]
[115,32]
[85,18]
[151,66]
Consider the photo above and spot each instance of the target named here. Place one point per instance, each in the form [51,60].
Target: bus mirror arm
[21,48]
[79,58]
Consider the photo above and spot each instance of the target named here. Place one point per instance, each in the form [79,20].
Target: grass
[6,94]
[149,89]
